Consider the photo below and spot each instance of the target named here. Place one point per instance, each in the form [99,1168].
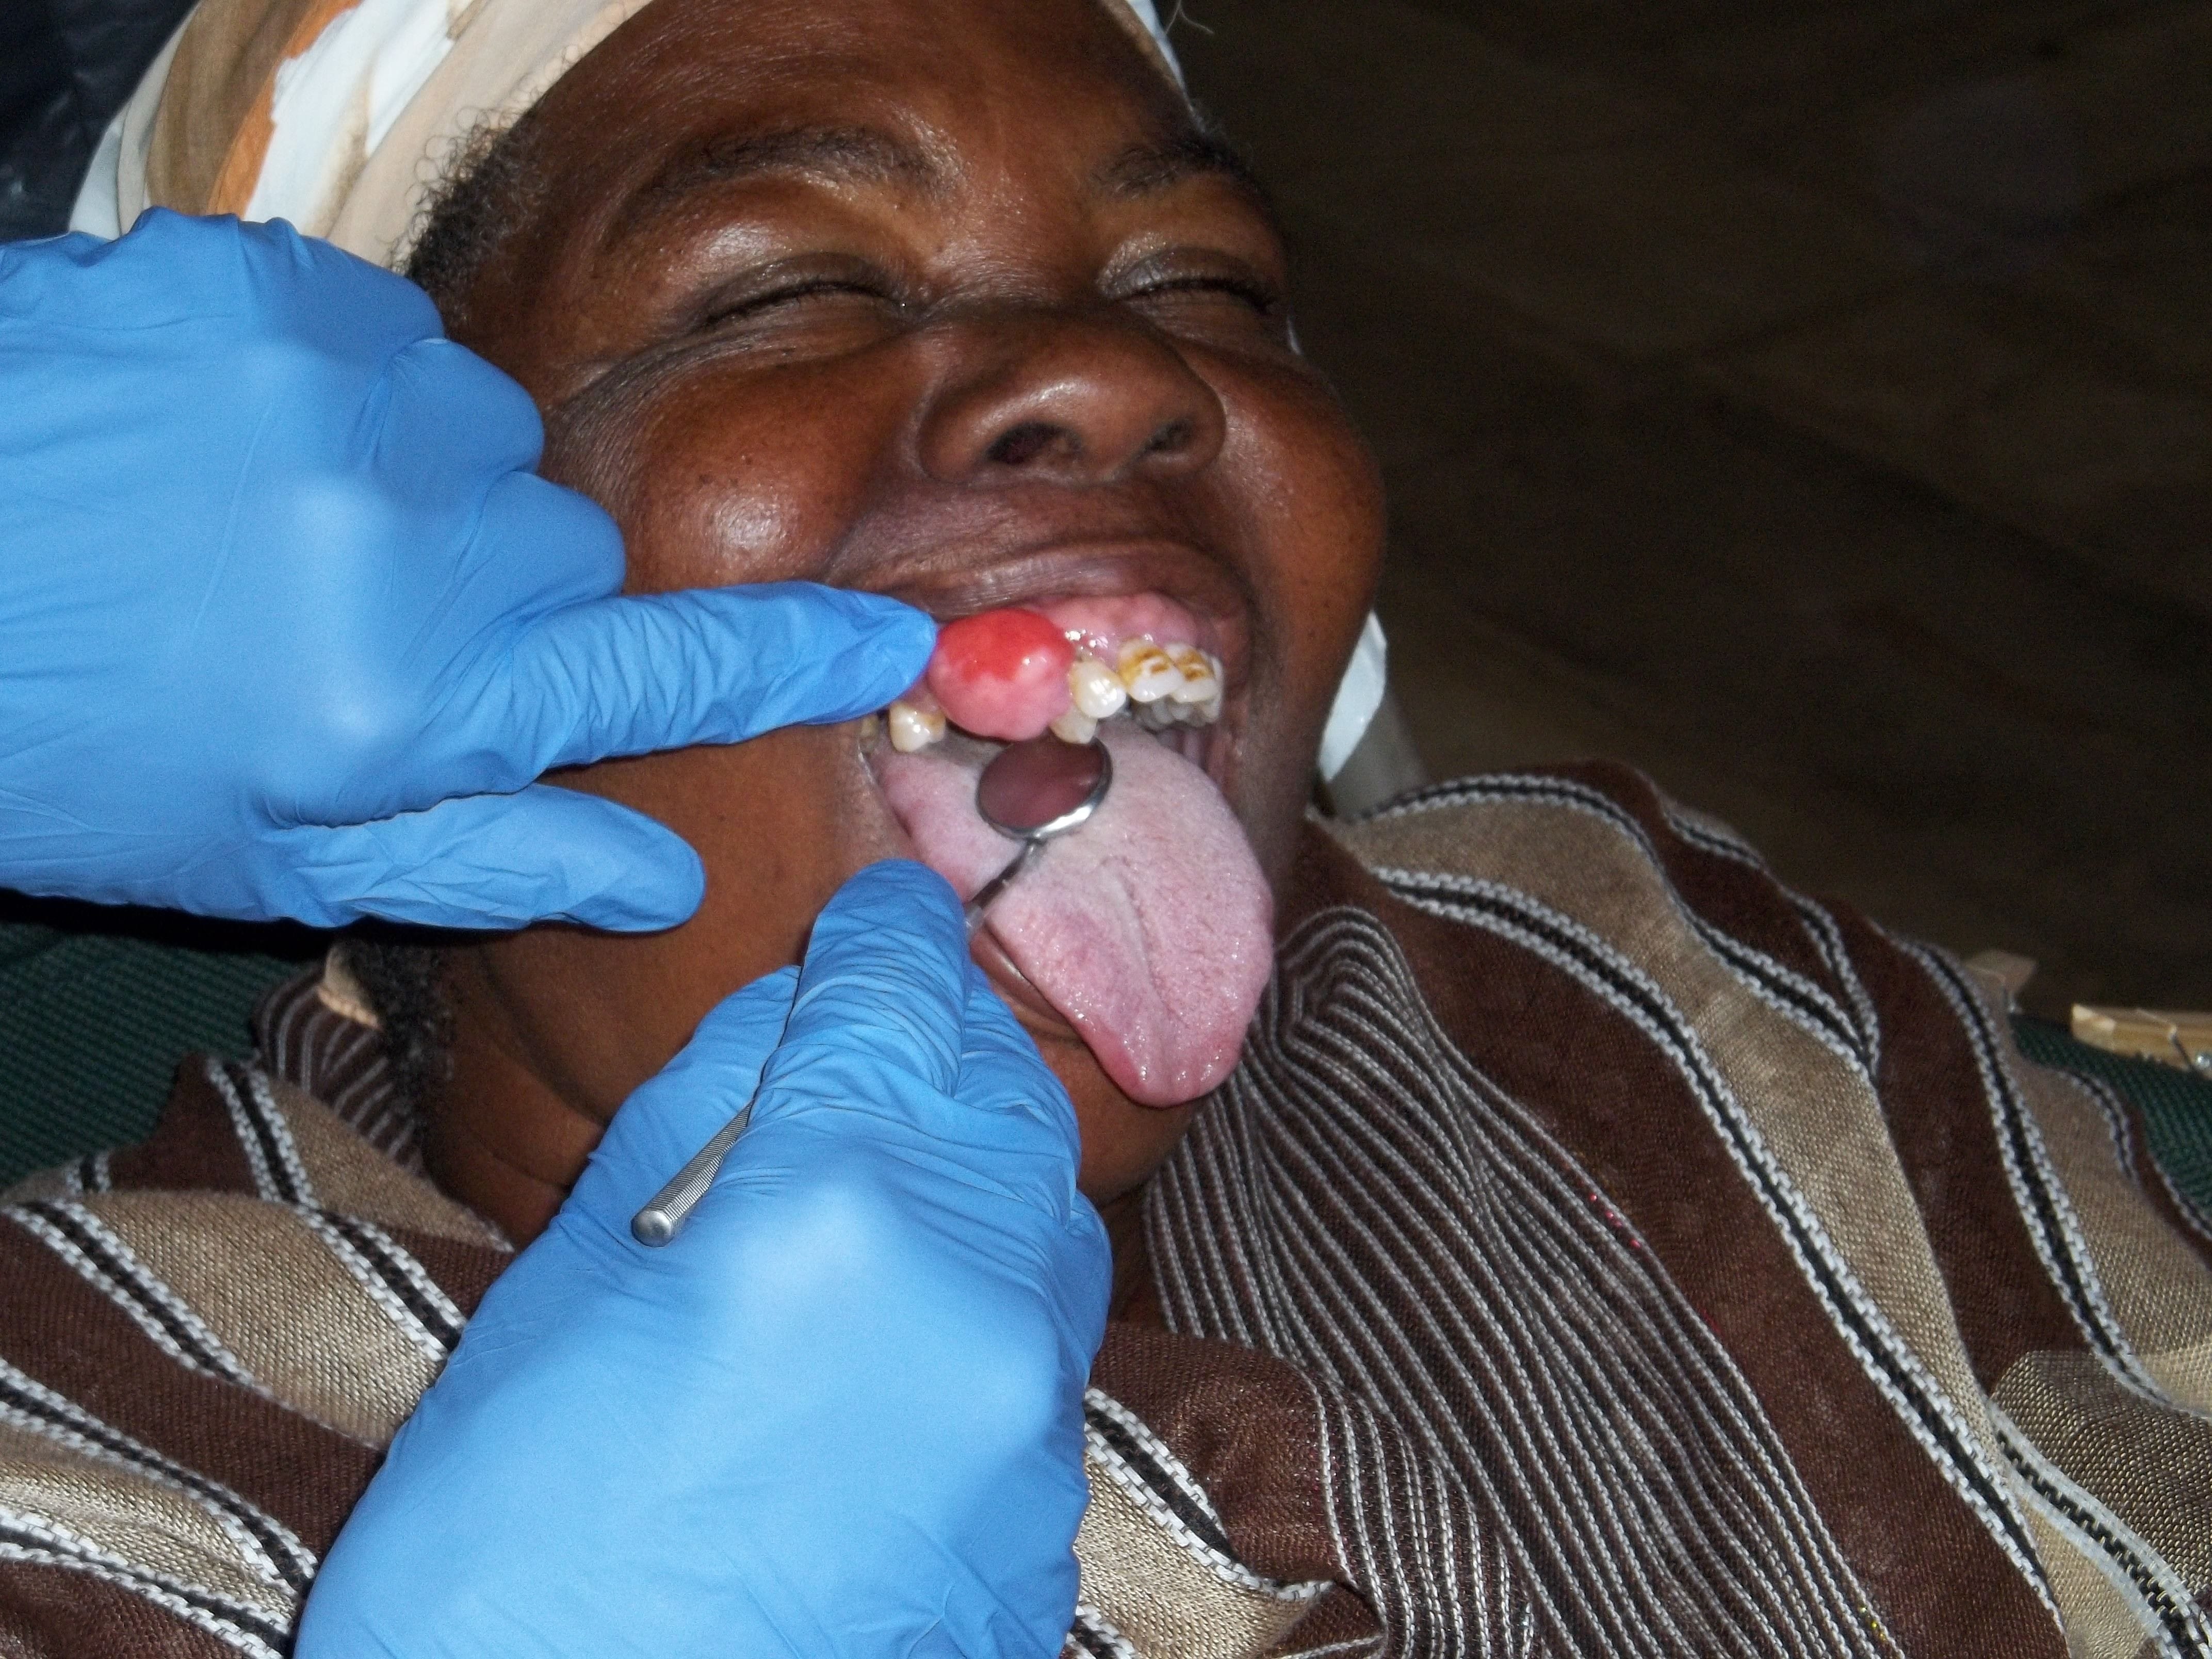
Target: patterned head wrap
[334,114]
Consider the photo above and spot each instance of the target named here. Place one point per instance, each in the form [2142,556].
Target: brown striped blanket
[1600,1249]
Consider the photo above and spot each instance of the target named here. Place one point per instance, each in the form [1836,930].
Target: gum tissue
[1011,674]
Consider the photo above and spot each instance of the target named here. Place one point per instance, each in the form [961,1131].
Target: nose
[1071,398]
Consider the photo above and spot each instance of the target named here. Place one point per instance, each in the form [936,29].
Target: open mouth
[1149,930]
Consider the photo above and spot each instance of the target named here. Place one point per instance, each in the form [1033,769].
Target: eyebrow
[1145,169]
[837,155]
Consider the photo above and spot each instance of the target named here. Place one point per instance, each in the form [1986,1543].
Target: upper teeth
[1097,690]
[1169,684]
[1201,679]
[1148,672]
[1166,681]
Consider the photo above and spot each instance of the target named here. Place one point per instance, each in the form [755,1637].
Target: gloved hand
[839,1415]
[288,626]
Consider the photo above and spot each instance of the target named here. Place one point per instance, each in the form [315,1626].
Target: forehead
[919,93]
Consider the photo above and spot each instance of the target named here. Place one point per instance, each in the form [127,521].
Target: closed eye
[1224,302]
[1260,298]
[1203,289]
[756,304]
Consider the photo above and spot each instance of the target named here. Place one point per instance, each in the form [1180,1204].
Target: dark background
[1810,402]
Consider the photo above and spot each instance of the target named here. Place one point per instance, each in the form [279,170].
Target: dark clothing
[66,67]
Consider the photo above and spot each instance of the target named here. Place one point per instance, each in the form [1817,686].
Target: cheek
[780,825]
[602,1012]
[740,472]
[1318,496]
[775,821]
[1310,505]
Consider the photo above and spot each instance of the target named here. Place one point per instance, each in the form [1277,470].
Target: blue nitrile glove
[288,626]
[838,1417]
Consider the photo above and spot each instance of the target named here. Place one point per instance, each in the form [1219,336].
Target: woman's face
[949,299]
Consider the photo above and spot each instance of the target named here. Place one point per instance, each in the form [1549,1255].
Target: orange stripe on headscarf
[213,121]
[249,148]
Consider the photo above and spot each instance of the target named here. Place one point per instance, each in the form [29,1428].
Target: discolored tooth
[1096,688]
[913,729]
[1073,725]
[1148,672]
[1201,679]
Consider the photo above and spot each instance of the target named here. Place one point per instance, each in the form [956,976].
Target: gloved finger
[882,998]
[678,1111]
[1013,1104]
[448,425]
[539,550]
[23,263]
[1005,1078]
[493,862]
[181,270]
[628,675]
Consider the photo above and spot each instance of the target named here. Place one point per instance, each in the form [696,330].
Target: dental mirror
[1032,791]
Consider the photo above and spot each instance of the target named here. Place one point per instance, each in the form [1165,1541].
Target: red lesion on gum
[1001,673]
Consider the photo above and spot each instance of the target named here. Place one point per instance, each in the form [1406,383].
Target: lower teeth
[913,728]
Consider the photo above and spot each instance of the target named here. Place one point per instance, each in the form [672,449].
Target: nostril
[1173,438]
[1020,445]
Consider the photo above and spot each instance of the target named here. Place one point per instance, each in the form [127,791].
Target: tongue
[1150,928]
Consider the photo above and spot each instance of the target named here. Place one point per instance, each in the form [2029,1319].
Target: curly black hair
[489,186]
